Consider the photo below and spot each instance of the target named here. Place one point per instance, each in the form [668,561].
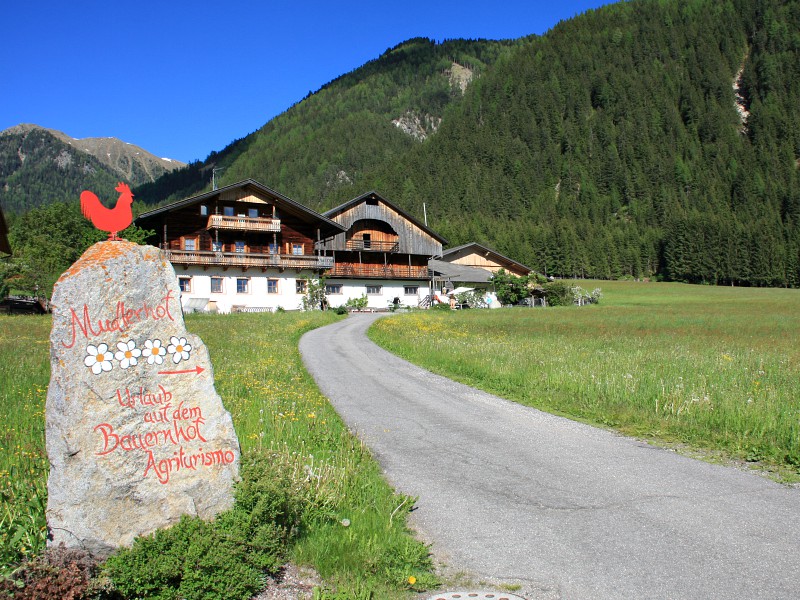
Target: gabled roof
[475,248]
[4,245]
[373,195]
[327,226]
[459,273]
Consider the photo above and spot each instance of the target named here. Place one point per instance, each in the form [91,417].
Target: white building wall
[390,289]
[258,297]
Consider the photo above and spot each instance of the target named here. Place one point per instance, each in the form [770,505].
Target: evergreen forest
[645,139]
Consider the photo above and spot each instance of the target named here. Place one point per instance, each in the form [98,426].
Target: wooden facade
[380,242]
[242,225]
[480,257]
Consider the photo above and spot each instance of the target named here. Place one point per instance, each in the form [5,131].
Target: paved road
[511,494]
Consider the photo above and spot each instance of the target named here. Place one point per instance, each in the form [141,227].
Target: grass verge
[351,525]
[710,367]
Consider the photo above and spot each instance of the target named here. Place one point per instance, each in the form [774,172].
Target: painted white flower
[98,358]
[179,348]
[127,354]
[154,352]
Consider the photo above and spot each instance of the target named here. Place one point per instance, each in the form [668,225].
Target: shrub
[58,574]
[220,560]
[357,303]
[558,293]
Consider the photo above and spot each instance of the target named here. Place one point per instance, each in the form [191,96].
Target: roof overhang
[332,213]
[328,228]
[475,248]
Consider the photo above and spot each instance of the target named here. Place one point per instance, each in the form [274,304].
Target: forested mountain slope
[613,146]
[645,138]
[39,166]
[38,169]
[320,148]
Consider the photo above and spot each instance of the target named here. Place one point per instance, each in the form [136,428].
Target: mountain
[39,166]
[320,148]
[641,139]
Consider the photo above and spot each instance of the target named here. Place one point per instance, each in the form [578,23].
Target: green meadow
[353,525]
[713,369]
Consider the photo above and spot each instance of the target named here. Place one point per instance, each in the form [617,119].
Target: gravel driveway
[513,495]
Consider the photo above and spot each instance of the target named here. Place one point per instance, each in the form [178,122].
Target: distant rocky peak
[131,163]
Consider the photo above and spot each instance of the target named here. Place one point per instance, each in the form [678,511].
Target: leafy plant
[219,560]
[314,298]
[357,303]
[559,293]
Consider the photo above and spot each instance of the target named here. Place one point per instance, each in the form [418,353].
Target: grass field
[714,368]
[354,525]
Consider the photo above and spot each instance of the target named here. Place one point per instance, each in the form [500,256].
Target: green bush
[559,293]
[224,559]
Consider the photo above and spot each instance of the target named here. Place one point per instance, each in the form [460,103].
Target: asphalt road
[511,494]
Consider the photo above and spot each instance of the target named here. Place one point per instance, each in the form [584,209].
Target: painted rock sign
[136,434]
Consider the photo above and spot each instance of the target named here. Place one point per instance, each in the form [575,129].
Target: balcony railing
[378,271]
[244,223]
[247,259]
[373,245]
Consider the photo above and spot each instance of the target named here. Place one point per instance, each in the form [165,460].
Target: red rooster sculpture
[109,219]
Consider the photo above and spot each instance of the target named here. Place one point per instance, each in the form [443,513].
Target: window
[203,210]
[227,211]
[374,289]
[189,244]
[185,284]
[239,246]
[297,249]
[252,213]
[411,290]
[216,246]
[272,286]
[242,285]
[333,288]
[216,285]
[367,237]
[273,248]
[300,286]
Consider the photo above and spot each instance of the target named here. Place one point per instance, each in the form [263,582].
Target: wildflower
[179,349]
[412,580]
[98,358]
[154,352]
[127,354]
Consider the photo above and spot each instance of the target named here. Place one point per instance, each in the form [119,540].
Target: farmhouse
[243,247]
[472,265]
[248,248]
[383,254]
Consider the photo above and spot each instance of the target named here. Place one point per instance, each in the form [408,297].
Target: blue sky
[182,78]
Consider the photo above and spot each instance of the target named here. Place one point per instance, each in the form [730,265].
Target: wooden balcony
[378,271]
[248,260]
[244,223]
[373,245]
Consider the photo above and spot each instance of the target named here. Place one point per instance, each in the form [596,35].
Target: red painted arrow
[198,369]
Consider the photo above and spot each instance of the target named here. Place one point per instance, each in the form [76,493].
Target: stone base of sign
[136,433]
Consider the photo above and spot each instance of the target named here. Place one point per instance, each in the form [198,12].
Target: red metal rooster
[109,219]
